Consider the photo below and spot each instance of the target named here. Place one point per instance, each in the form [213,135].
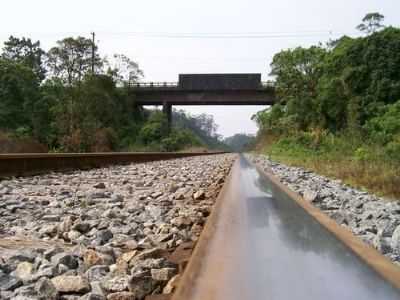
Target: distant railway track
[31,164]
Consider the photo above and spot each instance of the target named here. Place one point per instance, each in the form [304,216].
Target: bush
[385,127]
[392,150]
[362,154]
[293,146]
[178,140]
[154,129]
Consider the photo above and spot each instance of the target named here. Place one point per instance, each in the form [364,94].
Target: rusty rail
[31,164]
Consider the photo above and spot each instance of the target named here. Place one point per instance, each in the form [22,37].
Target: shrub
[179,139]
[362,154]
[386,126]
[154,129]
[392,150]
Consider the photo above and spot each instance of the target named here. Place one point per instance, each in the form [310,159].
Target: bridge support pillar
[167,110]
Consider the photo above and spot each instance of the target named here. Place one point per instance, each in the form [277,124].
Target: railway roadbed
[121,232]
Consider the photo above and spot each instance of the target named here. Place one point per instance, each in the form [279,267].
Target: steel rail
[263,241]
[31,164]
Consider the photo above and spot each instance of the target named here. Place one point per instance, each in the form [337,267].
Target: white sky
[162,59]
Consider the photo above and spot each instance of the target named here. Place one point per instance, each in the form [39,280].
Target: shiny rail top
[266,246]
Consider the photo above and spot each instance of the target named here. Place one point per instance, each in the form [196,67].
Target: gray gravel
[375,220]
[104,233]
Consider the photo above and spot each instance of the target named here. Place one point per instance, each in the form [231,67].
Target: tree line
[341,99]
[71,99]
[350,86]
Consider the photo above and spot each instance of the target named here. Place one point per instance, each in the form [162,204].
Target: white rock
[71,284]
[310,196]
[395,243]
[24,271]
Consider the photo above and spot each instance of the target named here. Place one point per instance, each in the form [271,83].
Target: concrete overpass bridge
[205,89]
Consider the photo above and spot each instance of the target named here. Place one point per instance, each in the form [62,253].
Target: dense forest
[69,99]
[339,108]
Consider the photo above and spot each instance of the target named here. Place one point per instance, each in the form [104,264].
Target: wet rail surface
[268,247]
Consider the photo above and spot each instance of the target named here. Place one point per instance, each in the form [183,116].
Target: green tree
[360,72]
[70,63]
[124,70]
[26,52]
[297,74]
[202,126]
[336,89]
[19,89]
[154,129]
[55,93]
[371,23]
[386,127]
[71,59]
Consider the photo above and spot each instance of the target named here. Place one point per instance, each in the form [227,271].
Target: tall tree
[26,52]
[72,59]
[371,23]
[207,124]
[297,74]
[123,69]
[18,93]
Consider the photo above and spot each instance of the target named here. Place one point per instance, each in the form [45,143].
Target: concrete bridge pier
[167,110]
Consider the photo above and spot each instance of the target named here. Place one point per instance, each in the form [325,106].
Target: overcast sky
[124,26]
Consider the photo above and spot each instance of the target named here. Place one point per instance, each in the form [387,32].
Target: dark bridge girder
[167,99]
[182,97]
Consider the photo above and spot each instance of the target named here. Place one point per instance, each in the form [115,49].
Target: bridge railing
[151,85]
[268,83]
[175,85]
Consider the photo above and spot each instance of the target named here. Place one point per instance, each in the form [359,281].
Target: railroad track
[261,241]
[31,164]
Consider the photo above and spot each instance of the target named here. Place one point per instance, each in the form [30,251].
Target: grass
[367,169]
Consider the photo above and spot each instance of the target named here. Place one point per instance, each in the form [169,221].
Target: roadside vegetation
[66,100]
[339,109]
